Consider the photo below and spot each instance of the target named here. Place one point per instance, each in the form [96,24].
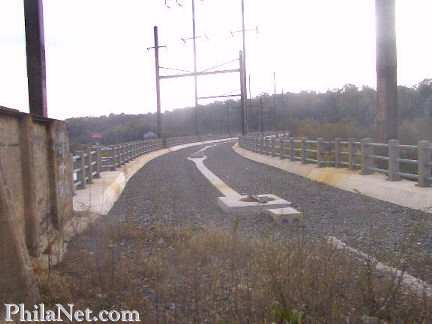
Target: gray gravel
[379,228]
[170,190]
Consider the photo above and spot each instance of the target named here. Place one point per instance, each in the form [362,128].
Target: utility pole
[195,67]
[243,62]
[274,103]
[157,79]
[228,117]
[36,68]
[243,92]
[157,67]
[387,119]
[250,91]
[261,116]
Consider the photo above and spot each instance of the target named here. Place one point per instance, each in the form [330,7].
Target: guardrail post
[292,149]
[282,148]
[82,173]
[393,162]
[123,153]
[304,152]
[351,154]
[118,154]
[424,163]
[273,146]
[128,152]
[113,157]
[257,144]
[366,151]
[319,152]
[262,150]
[98,161]
[337,152]
[89,165]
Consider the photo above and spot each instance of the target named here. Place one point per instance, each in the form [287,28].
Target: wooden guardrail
[94,159]
[413,162]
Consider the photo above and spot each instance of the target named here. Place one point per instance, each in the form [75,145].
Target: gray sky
[97,62]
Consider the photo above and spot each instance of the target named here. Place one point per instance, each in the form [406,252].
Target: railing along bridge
[397,161]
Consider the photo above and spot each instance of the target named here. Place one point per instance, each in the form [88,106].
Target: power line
[175,69]
[220,65]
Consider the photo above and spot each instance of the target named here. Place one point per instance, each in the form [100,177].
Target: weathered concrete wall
[37,198]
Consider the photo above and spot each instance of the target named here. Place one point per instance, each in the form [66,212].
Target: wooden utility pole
[157,67]
[36,69]
[387,119]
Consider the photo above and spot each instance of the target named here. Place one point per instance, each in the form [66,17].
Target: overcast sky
[97,61]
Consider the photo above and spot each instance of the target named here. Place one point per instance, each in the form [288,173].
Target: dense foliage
[346,112]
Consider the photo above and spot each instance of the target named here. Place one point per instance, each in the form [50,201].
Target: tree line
[346,112]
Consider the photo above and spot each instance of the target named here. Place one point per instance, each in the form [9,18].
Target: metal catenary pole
[157,68]
[195,67]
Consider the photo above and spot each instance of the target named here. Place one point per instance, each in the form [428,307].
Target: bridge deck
[170,190]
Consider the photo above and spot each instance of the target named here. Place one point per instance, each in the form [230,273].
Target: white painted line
[233,201]
[408,281]
[214,179]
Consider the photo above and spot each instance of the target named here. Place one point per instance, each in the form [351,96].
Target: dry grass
[196,275]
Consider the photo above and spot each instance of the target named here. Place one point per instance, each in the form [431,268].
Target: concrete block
[285,215]
[241,206]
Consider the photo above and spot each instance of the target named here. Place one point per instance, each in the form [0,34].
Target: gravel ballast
[376,227]
[170,190]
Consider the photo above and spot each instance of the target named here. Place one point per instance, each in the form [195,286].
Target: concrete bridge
[274,183]
[280,186]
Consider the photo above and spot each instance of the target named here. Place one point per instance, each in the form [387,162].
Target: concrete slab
[241,205]
[285,215]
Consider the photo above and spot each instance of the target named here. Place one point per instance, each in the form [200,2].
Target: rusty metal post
[36,69]
[387,119]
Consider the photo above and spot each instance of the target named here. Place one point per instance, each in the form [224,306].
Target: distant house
[96,137]
[150,135]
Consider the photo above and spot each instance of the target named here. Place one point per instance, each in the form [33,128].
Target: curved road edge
[403,193]
[99,197]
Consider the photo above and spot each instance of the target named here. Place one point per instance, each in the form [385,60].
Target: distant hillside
[346,112]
